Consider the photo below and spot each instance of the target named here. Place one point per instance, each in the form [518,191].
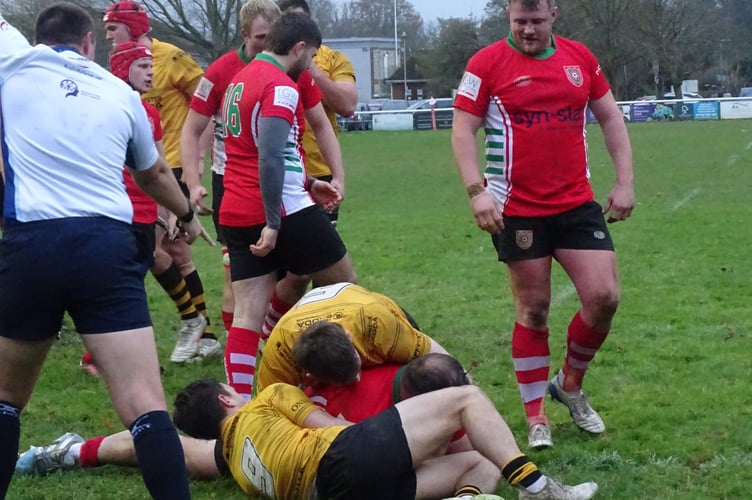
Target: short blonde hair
[253,9]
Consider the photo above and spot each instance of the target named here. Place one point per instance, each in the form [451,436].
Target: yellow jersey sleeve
[176,76]
[338,67]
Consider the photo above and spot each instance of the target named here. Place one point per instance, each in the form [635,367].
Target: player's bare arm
[485,209]
[621,199]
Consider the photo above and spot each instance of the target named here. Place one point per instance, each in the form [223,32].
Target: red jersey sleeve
[309,91]
[279,100]
[472,93]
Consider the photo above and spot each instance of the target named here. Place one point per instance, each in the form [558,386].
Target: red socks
[531,358]
[582,344]
[89,450]
[240,359]
[277,308]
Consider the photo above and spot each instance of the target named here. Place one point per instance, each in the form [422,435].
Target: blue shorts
[91,267]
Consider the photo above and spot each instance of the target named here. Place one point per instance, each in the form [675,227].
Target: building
[376,60]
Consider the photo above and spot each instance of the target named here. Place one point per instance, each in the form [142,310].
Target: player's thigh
[430,420]
[129,365]
[593,272]
[20,365]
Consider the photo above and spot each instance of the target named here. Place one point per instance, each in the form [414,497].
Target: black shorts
[307,242]
[368,461]
[219,459]
[88,266]
[334,214]
[146,241]
[218,190]
[582,228]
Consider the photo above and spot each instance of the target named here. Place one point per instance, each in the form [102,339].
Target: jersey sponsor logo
[286,97]
[203,89]
[538,117]
[598,70]
[469,86]
[523,238]
[70,87]
[523,81]
[574,75]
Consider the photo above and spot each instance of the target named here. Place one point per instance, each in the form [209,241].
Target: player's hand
[619,204]
[197,195]
[326,195]
[339,185]
[189,231]
[266,242]
[487,212]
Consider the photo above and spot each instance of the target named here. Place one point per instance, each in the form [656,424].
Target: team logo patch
[70,87]
[203,89]
[599,235]
[524,238]
[574,75]
[286,97]
[469,86]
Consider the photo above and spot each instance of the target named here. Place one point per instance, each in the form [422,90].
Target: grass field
[670,382]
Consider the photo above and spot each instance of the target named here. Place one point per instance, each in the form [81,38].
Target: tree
[444,63]
[375,18]
[23,14]
[205,28]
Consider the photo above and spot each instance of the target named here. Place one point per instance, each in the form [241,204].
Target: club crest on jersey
[574,75]
[70,87]
[523,238]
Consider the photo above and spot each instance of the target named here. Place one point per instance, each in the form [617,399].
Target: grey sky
[432,9]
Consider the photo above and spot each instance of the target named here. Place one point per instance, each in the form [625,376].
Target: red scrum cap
[124,55]
[131,14]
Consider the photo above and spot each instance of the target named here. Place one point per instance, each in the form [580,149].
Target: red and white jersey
[144,207]
[207,99]
[533,111]
[262,89]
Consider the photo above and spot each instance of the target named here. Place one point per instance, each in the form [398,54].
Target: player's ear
[225,401]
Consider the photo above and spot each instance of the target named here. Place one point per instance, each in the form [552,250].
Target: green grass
[670,382]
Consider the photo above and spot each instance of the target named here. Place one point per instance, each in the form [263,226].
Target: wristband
[474,190]
[309,182]
[189,216]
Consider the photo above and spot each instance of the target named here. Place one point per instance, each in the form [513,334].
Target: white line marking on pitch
[732,159]
[749,146]
[563,295]
[686,199]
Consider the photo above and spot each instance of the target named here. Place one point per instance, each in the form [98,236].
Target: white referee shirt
[67,127]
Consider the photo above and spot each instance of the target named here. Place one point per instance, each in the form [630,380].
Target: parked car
[645,98]
[685,95]
[422,120]
[745,92]
[387,104]
[361,119]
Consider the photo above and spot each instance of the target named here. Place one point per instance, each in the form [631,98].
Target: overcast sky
[429,10]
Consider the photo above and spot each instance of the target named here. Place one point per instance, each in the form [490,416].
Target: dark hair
[198,412]
[63,24]
[294,4]
[326,352]
[291,28]
[432,372]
